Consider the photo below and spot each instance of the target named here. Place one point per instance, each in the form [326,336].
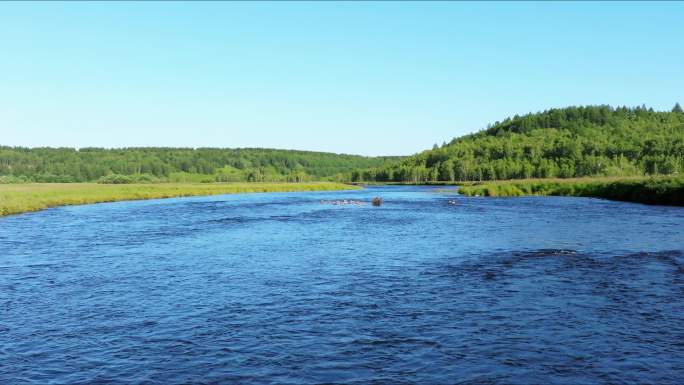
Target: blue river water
[282,288]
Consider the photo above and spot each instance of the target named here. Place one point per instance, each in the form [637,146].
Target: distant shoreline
[653,190]
[661,190]
[22,198]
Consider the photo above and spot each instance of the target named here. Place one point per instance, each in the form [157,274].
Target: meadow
[20,198]
[661,190]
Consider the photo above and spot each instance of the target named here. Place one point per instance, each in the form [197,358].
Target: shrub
[145,178]
[53,178]
[115,179]
[11,179]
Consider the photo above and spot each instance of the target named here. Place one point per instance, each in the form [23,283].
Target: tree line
[563,142]
[151,164]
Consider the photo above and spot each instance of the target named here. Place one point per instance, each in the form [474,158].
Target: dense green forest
[126,165]
[567,142]
[564,143]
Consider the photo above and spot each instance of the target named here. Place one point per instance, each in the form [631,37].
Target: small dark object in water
[377,201]
[490,275]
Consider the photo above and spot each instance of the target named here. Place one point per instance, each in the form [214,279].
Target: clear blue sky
[367,78]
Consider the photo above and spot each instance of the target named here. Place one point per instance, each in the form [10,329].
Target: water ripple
[280,289]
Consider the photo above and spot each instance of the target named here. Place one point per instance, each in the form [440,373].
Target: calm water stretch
[283,289]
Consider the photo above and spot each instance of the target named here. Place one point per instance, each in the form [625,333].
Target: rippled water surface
[280,288]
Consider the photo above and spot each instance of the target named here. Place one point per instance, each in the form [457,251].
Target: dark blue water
[279,288]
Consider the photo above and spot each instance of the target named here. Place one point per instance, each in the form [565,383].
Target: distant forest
[125,165]
[565,142]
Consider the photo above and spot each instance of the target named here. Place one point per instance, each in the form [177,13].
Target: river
[287,288]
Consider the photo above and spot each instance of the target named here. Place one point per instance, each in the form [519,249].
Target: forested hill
[178,164]
[566,142]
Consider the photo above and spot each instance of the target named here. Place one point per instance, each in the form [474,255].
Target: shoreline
[30,197]
[658,190]
[665,190]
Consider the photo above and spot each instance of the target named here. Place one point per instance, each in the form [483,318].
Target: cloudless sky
[375,78]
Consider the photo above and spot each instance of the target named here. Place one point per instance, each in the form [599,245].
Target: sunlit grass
[19,198]
[666,190]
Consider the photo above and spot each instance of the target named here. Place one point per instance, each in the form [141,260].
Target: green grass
[664,190]
[20,198]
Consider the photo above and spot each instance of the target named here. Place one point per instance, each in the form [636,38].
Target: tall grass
[19,198]
[667,190]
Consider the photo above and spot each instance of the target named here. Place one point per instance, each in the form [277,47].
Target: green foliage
[115,179]
[563,143]
[9,179]
[186,177]
[145,178]
[181,164]
[18,198]
[665,190]
[127,179]
[229,174]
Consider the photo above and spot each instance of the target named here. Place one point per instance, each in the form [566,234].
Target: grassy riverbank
[651,190]
[19,198]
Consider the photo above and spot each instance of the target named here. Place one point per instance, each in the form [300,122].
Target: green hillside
[178,165]
[564,143]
